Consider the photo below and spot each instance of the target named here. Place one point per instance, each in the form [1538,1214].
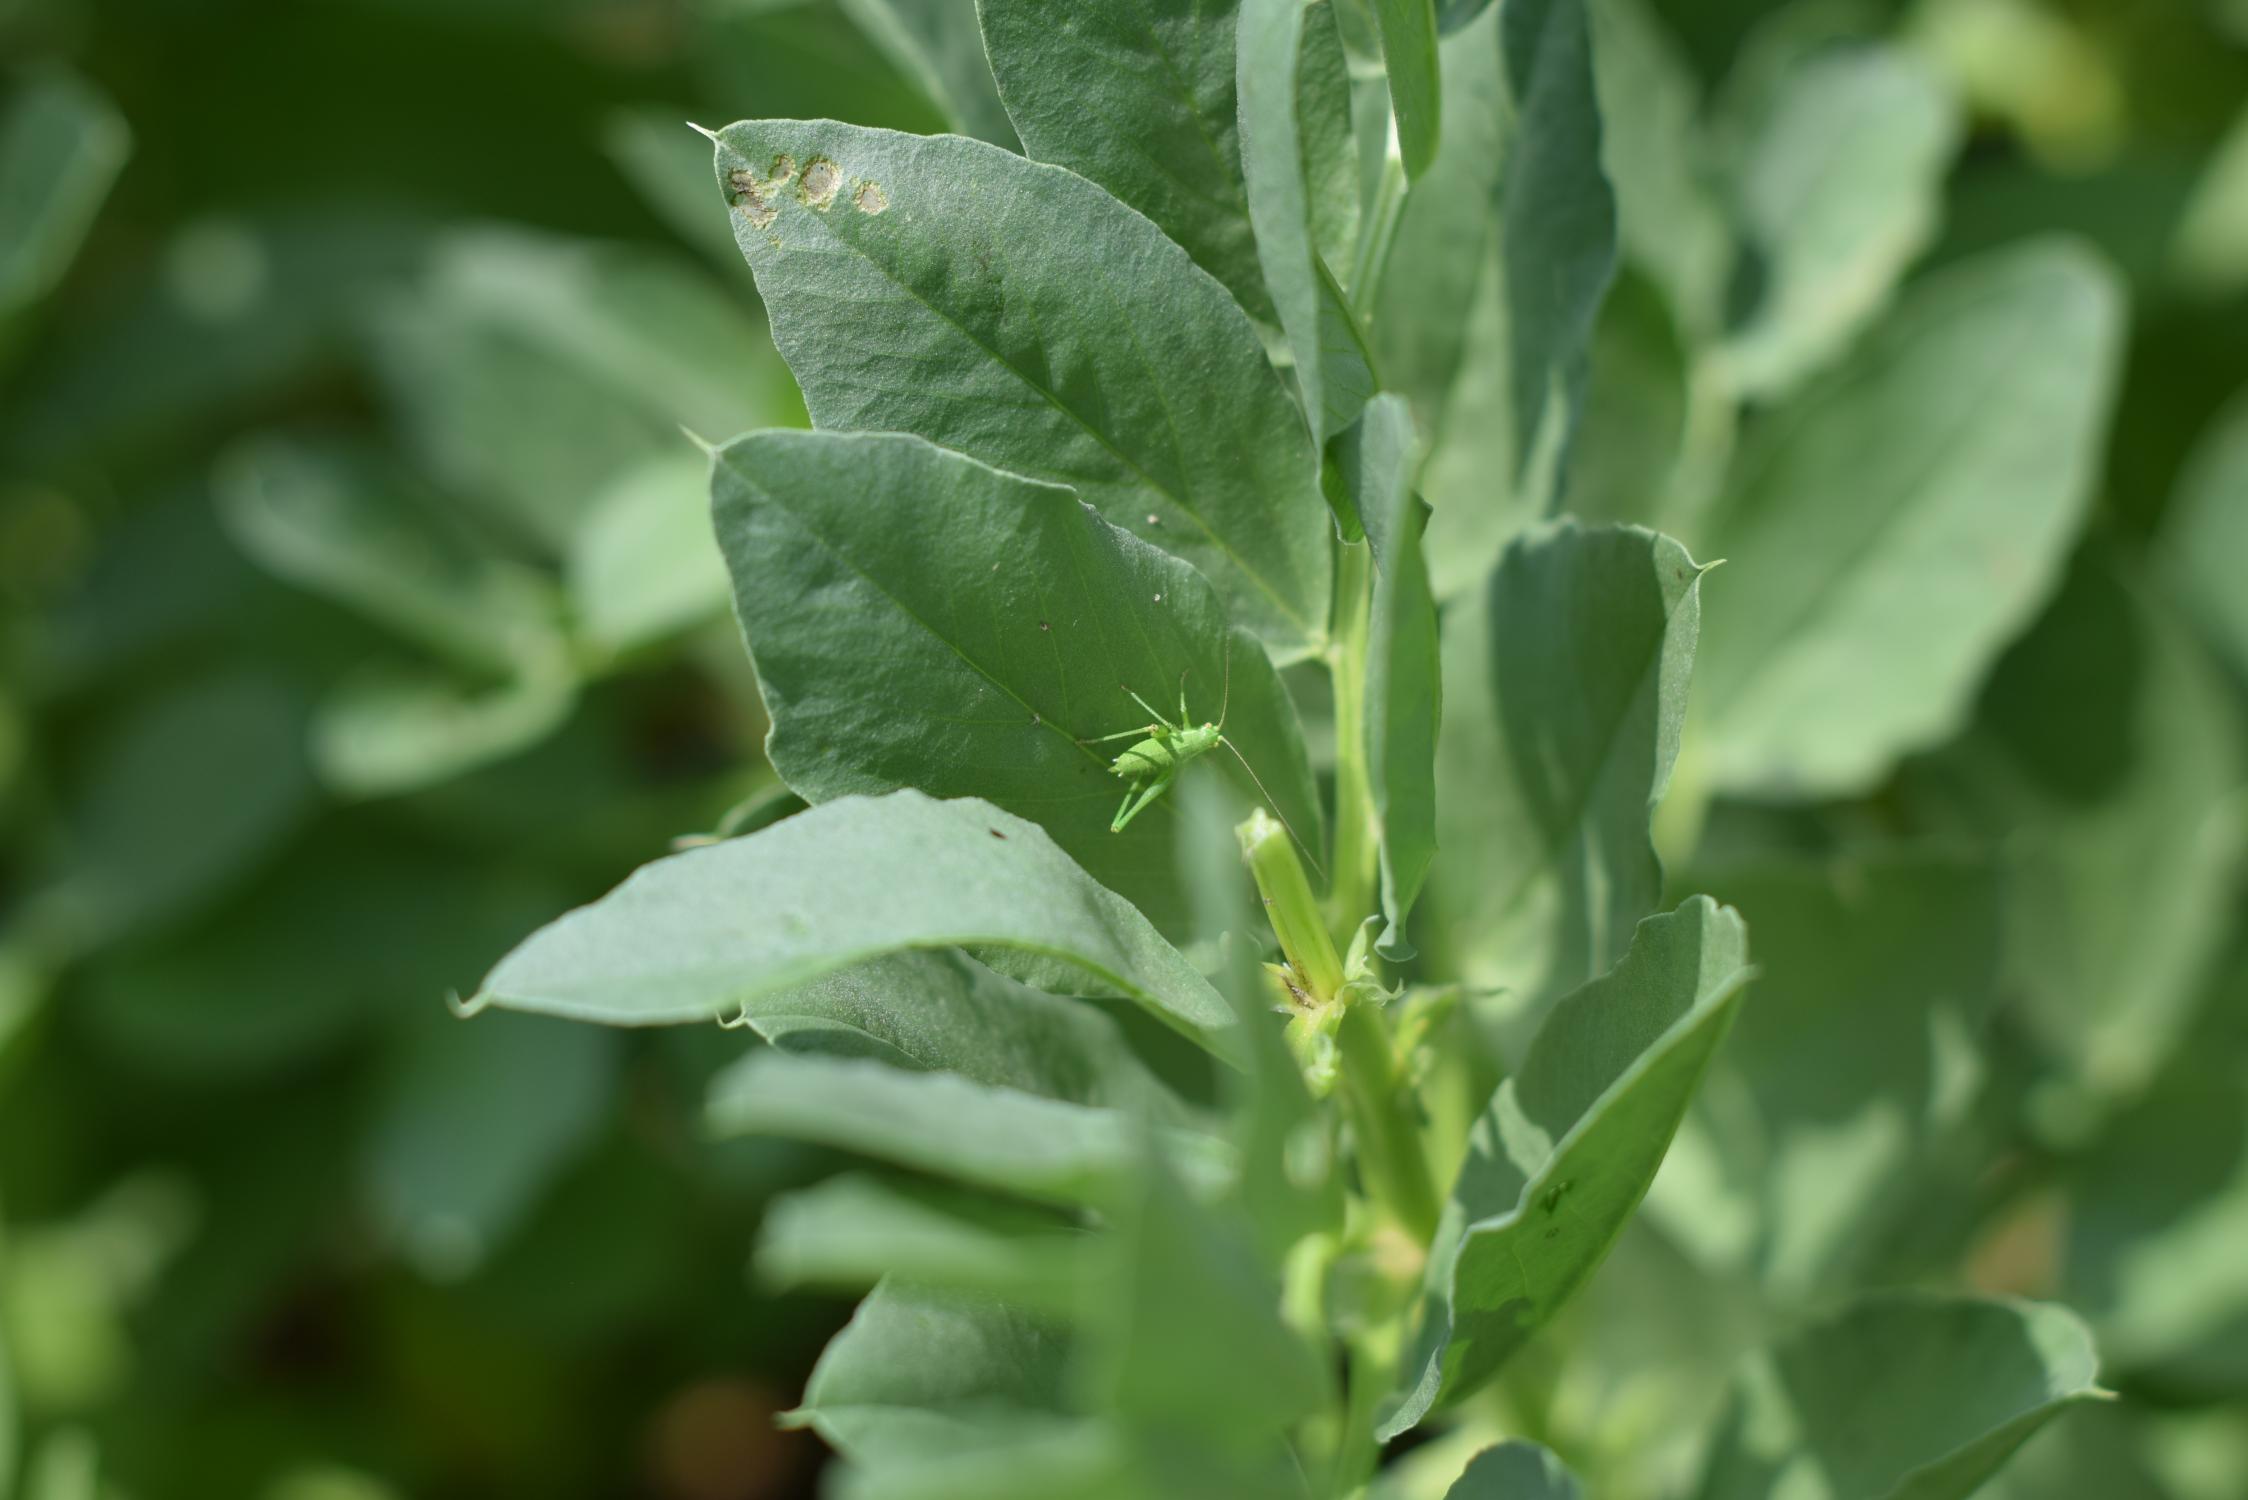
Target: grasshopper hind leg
[1136,801]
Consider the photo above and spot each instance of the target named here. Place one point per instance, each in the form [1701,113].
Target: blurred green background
[358,613]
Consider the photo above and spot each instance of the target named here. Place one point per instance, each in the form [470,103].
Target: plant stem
[1379,233]
[1380,1108]
[1290,907]
[1352,888]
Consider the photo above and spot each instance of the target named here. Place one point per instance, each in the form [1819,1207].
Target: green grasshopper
[1150,766]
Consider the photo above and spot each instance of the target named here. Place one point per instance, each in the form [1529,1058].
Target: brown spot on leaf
[818,186]
[870,199]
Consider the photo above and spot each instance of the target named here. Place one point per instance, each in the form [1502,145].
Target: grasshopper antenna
[1276,812]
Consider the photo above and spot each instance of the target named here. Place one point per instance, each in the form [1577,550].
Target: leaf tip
[470,1008]
[705,132]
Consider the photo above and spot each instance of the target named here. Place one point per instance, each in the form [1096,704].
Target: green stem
[1378,235]
[1290,907]
[1380,1108]
[1352,888]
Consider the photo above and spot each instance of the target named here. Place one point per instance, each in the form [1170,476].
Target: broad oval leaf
[695,935]
[1140,99]
[1841,187]
[1017,313]
[1894,526]
[919,619]
[1901,1396]
[1565,682]
[1567,1149]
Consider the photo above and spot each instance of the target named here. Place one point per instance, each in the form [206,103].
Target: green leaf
[473,1124]
[1485,322]
[61,147]
[978,642]
[1416,86]
[532,374]
[919,1372]
[1844,1088]
[2206,532]
[1840,190]
[1139,99]
[644,565]
[851,1231]
[393,728]
[1890,529]
[1404,695]
[1899,1397]
[934,44]
[1049,330]
[337,521]
[1657,154]
[940,1011]
[1567,1149]
[1292,78]
[698,934]
[2106,753]
[1566,680]
[940,1123]
[1514,1471]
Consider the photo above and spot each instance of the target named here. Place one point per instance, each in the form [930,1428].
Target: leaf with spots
[977,638]
[1016,312]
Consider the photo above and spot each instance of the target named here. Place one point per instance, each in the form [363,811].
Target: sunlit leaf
[702,933]
[1048,330]
[1889,530]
